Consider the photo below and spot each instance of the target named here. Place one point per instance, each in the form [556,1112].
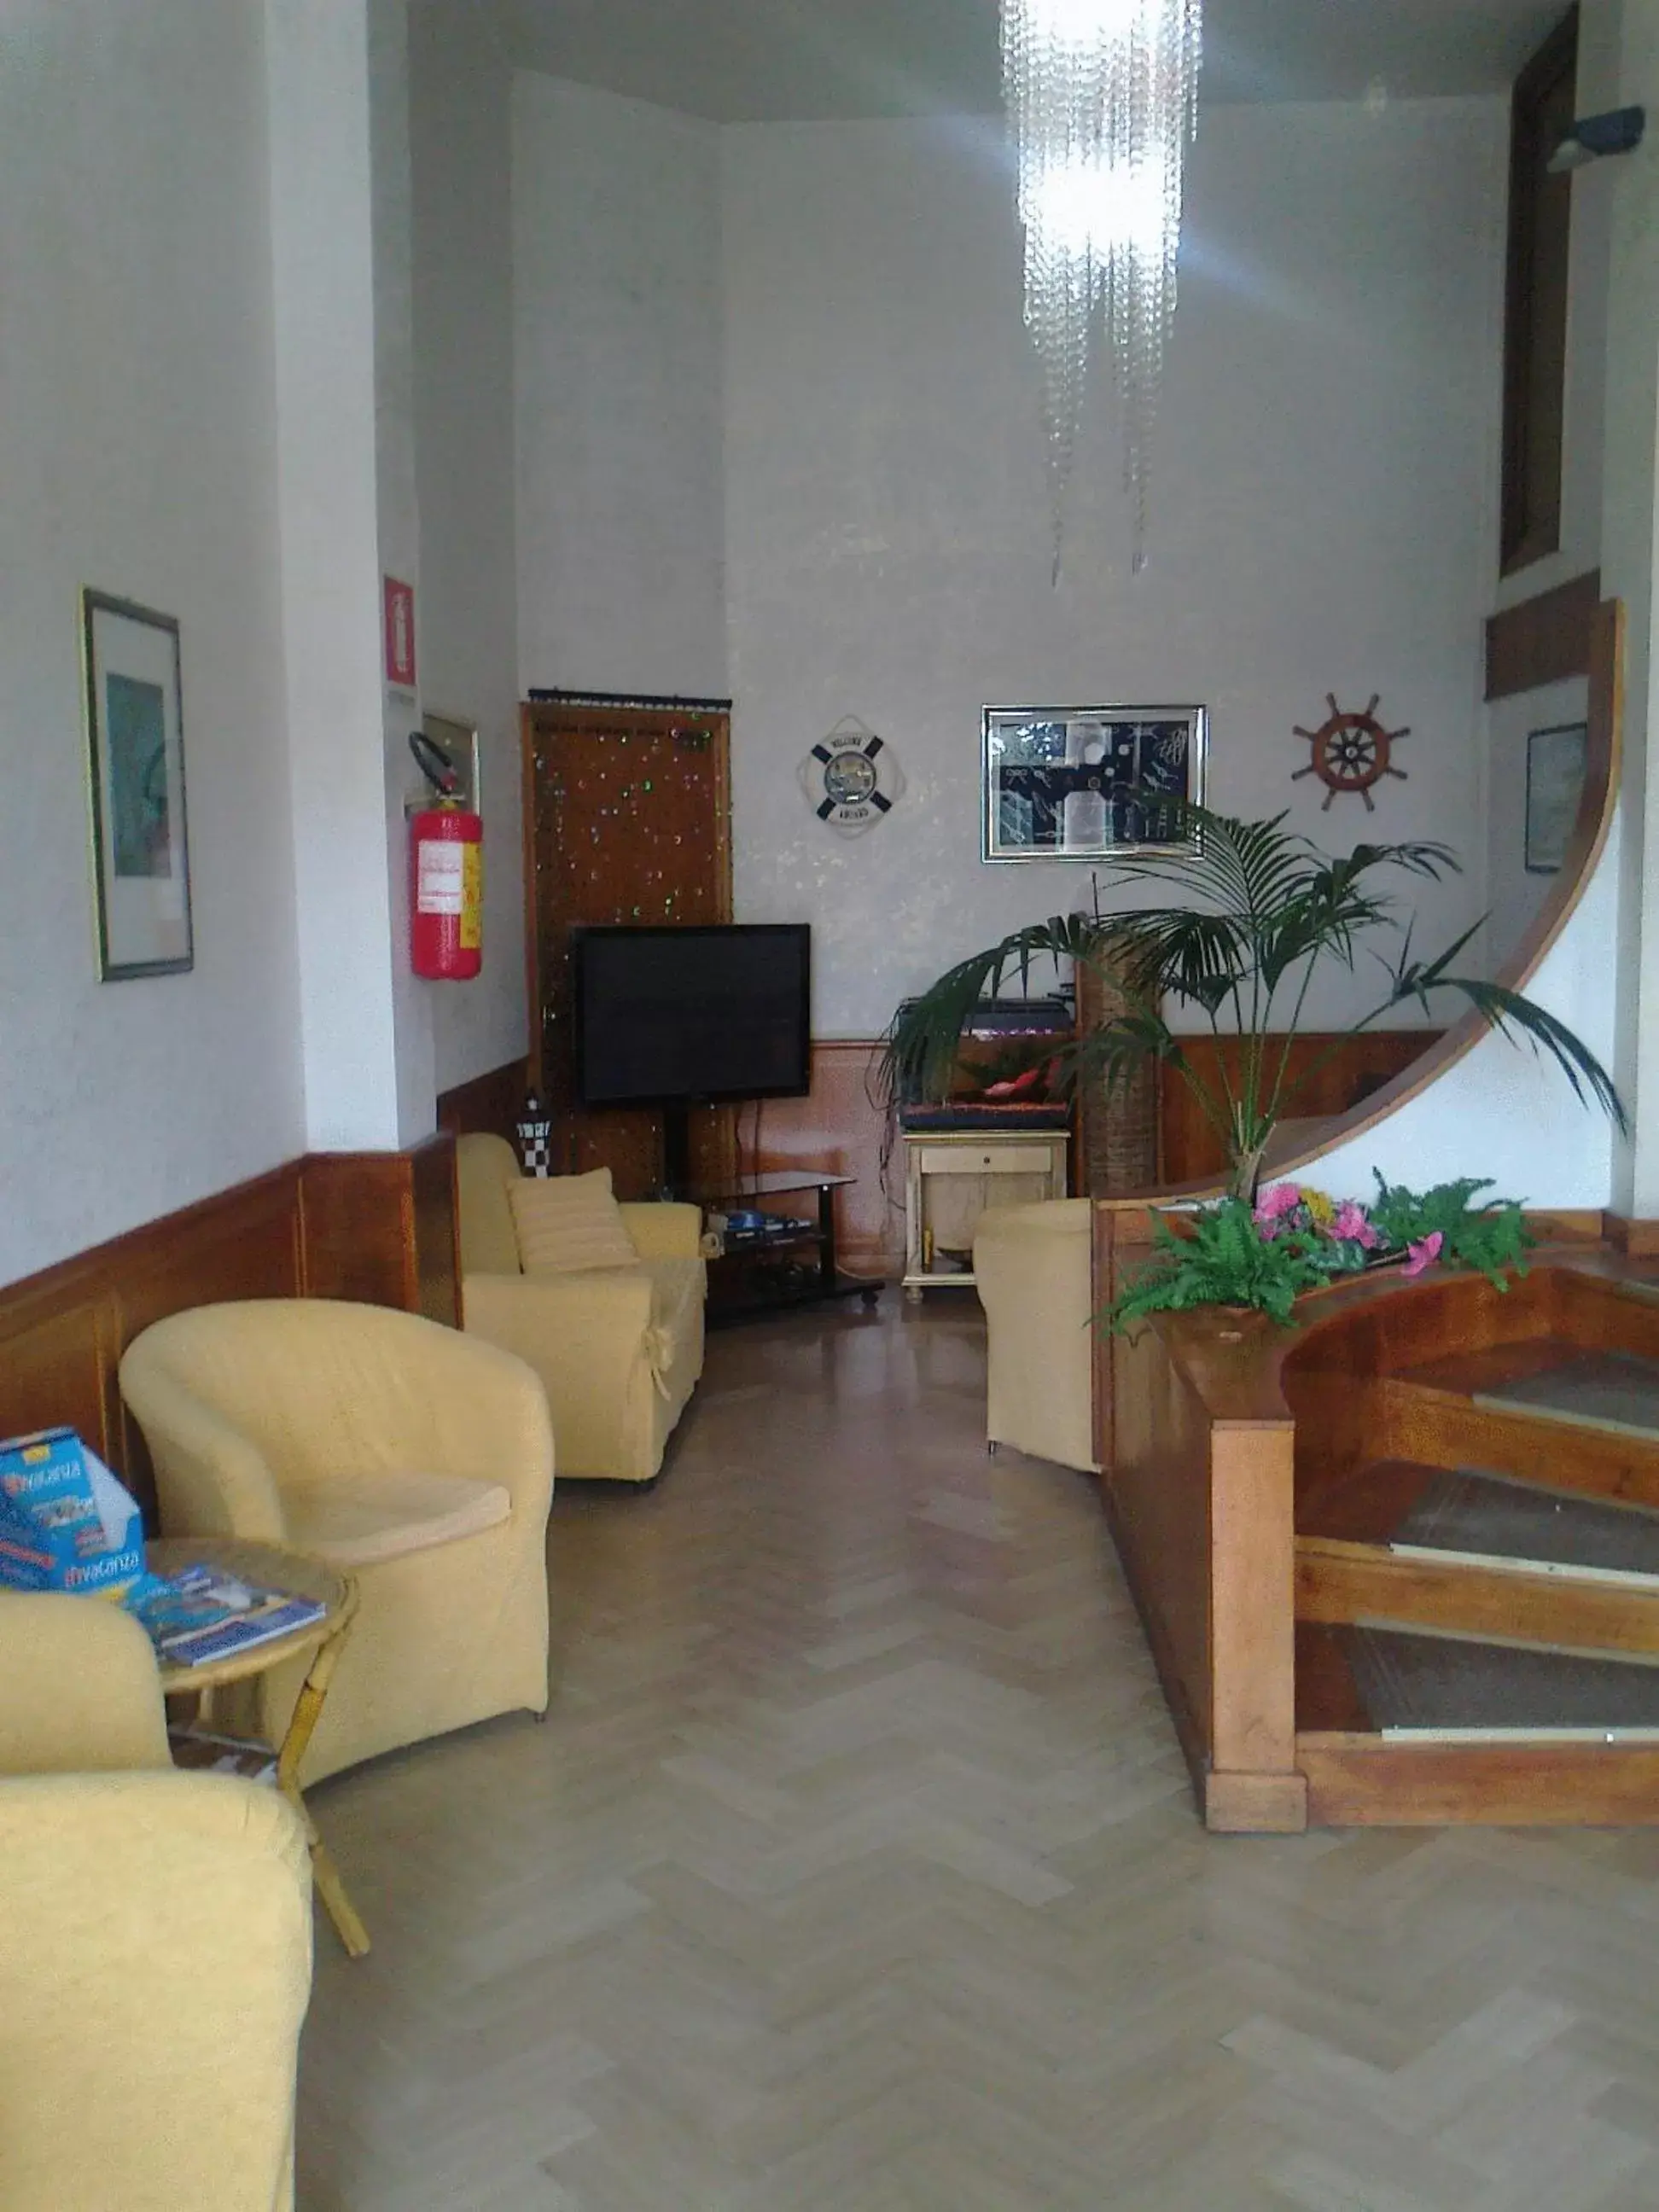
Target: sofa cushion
[355,1520]
[569,1223]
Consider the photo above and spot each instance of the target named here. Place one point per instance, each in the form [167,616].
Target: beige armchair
[412,1458]
[1035,1271]
[618,1349]
[155,1940]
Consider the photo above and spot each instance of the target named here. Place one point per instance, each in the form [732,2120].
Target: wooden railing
[1215,1431]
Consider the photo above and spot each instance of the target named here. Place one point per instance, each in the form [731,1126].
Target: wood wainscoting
[1345,1070]
[837,1126]
[487,1104]
[379,1227]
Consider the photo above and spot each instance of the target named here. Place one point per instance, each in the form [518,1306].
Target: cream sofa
[618,1349]
[155,1940]
[415,1458]
[1035,1270]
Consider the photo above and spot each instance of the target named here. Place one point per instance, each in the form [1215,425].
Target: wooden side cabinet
[949,1180]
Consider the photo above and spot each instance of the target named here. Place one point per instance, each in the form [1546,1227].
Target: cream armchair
[155,1940]
[414,1458]
[618,1349]
[1035,1271]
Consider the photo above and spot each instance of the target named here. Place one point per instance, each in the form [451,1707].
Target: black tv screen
[692,1013]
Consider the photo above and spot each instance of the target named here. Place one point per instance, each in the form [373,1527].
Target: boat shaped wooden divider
[1253,1475]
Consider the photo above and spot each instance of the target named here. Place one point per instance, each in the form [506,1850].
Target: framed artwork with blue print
[1081,783]
[135,748]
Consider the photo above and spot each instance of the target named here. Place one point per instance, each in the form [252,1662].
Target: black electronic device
[682,1016]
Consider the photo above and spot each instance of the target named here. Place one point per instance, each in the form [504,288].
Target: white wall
[414,1001]
[324,280]
[461,128]
[137,453]
[617,306]
[1323,502]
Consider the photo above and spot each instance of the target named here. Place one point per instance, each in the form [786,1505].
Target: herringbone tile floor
[855,1871]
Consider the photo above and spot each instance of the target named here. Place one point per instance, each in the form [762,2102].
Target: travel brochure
[67,1523]
[202,1615]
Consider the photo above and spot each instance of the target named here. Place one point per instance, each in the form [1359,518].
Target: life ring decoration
[1352,751]
[852,780]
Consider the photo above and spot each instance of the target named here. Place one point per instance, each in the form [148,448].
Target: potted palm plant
[1259,910]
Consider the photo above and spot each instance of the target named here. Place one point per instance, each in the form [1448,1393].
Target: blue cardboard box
[66,1523]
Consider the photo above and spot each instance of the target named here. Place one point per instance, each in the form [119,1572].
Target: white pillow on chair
[569,1223]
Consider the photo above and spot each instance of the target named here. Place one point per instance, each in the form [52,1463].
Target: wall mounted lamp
[1619,131]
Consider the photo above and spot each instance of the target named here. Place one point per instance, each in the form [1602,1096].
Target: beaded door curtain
[627,813]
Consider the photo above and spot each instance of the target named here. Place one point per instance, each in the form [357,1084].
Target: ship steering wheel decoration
[851,779]
[1352,751]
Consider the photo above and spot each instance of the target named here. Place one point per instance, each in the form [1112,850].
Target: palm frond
[1257,908]
[919,1053]
[1198,955]
[1518,1019]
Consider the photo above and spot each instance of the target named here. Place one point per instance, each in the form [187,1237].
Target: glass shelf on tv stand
[740,1292]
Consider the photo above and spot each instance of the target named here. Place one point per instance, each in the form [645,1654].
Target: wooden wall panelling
[379,1227]
[1352,1068]
[488,1104]
[838,1126]
[62,1331]
[1544,640]
[375,1226]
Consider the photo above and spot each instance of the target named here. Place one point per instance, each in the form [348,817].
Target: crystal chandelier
[1103,97]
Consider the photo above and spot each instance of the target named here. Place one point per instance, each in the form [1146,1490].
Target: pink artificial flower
[1279,1199]
[1352,1226]
[1424,1255]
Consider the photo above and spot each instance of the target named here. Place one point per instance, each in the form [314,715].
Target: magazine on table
[203,1613]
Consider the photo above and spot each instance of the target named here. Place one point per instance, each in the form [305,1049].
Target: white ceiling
[775,60]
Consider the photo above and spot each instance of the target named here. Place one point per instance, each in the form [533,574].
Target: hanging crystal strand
[1101,98]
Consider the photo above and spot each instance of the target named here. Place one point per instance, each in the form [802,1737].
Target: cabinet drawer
[989,1159]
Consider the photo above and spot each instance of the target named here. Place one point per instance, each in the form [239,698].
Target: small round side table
[272,1567]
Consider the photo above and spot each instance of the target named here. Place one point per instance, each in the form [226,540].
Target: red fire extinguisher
[445,874]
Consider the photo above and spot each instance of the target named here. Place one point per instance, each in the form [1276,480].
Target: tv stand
[787,1263]
[676,1148]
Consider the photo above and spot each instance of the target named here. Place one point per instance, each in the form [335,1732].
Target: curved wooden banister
[1221,1438]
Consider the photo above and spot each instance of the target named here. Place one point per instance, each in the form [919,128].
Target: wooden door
[627,816]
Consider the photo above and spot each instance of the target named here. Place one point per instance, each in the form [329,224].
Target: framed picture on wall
[1081,783]
[136,783]
[1555,781]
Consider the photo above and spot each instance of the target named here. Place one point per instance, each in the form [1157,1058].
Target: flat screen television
[669,1015]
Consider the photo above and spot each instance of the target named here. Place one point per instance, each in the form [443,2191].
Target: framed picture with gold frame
[136,789]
